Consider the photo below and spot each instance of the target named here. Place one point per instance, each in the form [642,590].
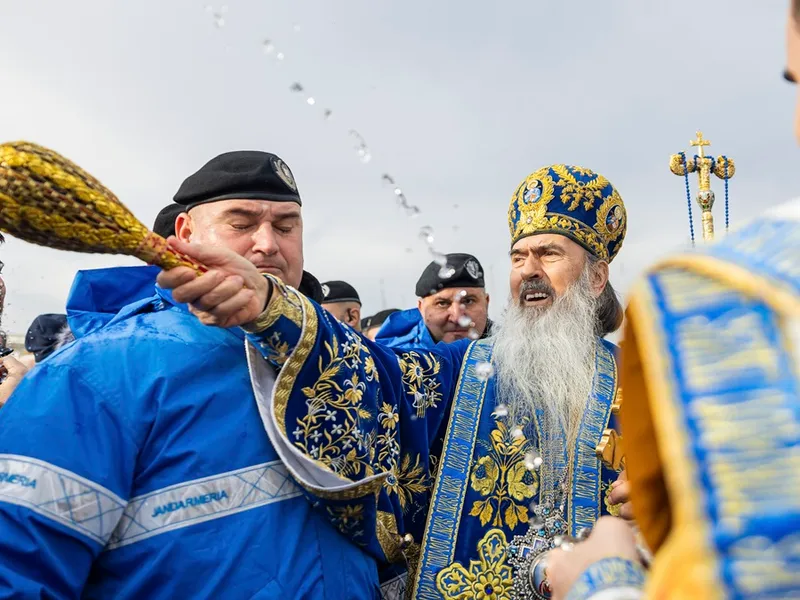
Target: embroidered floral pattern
[349,519]
[332,429]
[407,480]
[488,578]
[501,478]
[276,351]
[339,430]
[420,381]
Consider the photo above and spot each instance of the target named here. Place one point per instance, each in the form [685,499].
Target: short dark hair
[610,312]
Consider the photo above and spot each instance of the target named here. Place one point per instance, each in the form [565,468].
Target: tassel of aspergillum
[47,200]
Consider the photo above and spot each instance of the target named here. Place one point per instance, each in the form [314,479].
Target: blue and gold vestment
[359,424]
[354,422]
[712,415]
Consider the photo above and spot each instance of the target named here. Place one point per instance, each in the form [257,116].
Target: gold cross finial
[700,142]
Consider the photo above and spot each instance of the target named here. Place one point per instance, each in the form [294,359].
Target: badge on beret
[473,269]
[282,171]
[326,291]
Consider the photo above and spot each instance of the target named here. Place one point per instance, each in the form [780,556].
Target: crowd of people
[246,432]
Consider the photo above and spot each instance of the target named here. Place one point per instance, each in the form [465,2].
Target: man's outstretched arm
[353,421]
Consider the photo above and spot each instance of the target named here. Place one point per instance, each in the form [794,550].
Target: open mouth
[536,297]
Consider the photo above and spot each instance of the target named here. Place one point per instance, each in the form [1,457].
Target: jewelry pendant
[527,554]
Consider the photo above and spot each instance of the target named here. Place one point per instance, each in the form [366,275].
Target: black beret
[42,336]
[310,287]
[165,220]
[378,319]
[245,174]
[339,291]
[467,273]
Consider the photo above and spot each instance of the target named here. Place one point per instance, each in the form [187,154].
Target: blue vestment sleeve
[353,421]
[66,468]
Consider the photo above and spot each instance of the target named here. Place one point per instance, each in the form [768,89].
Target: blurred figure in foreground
[711,421]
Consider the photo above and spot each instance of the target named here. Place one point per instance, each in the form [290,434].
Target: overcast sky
[458,101]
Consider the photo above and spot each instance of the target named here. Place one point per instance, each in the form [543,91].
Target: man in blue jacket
[134,462]
[452,305]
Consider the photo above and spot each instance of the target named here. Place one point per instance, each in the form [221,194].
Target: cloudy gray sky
[458,101]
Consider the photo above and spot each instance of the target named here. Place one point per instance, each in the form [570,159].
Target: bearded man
[360,426]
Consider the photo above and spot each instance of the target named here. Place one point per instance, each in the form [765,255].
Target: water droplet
[464,321]
[311,101]
[517,433]
[398,192]
[535,521]
[386,178]
[537,462]
[279,55]
[267,47]
[412,211]
[484,371]
[361,149]
[446,272]
[296,87]
[439,258]
[501,410]
[328,113]
[473,334]
[530,457]
[426,234]
[455,206]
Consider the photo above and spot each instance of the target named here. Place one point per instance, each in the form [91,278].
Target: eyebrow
[550,246]
[239,211]
[291,214]
[787,75]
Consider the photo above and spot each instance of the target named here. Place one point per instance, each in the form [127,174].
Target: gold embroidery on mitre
[611,218]
[576,192]
[527,212]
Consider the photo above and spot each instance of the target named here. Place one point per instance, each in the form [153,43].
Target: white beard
[544,358]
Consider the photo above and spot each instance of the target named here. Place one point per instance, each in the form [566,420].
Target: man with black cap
[341,300]
[134,463]
[164,225]
[47,333]
[452,305]
[371,325]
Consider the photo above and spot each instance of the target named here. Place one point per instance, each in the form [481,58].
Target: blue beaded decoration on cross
[689,194]
[725,179]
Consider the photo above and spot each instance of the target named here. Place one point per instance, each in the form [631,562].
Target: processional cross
[722,166]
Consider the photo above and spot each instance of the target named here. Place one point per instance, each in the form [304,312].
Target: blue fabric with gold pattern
[570,201]
[354,422]
[476,511]
[712,420]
